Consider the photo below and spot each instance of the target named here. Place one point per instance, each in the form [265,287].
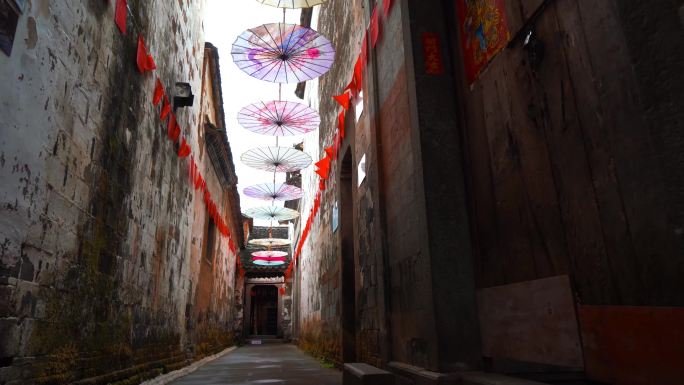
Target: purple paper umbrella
[274,191]
[277,118]
[283,53]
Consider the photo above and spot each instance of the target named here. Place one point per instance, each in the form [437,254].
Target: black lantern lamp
[183,96]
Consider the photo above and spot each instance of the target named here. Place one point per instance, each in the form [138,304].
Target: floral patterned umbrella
[292,3]
[274,191]
[278,159]
[283,53]
[279,118]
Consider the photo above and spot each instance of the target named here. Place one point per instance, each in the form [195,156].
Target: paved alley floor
[263,364]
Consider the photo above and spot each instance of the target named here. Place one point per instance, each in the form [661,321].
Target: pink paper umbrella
[283,53]
[279,118]
[274,191]
[269,254]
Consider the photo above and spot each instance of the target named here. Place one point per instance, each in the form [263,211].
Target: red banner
[484,32]
[432,54]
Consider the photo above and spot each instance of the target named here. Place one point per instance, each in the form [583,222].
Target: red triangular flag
[166,108]
[340,123]
[323,173]
[144,60]
[173,130]
[323,167]
[151,65]
[358,74]
[120,15]
[184,149]
[343,100]
[386,5]
[323,164]
[158,92]
[329,152]
[375,27]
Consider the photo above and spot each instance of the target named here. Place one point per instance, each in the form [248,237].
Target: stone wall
[101,235]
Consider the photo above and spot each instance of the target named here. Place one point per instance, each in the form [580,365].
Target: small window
[358,106]
[210,241]
[9,19]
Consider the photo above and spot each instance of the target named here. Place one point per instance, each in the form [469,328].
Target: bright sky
[224,21]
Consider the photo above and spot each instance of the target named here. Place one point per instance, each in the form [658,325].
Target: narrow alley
[357,192]
[274,363]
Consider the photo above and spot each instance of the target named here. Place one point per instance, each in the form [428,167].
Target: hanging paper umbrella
[280,159]
[270,242]
[274,213]
[268,263]
[282,259]
[283,53]
[274,191]
[292,3]
[269,254]
[279,118]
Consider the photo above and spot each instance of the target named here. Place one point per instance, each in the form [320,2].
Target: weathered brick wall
[101,237]
[344,22]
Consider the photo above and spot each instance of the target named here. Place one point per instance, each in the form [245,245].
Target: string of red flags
[146,63]
[352,90]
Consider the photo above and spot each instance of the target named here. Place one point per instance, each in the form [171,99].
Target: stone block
[10,335]
[364,374]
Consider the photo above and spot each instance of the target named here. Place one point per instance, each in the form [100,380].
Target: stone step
[261,340]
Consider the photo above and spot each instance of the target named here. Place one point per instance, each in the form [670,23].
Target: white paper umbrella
[292,3]
[279,159]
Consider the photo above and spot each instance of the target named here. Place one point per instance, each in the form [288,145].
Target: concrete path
[263,364]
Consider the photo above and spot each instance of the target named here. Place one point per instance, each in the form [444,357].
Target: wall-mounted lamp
[183,96]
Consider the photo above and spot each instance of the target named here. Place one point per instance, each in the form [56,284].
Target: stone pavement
[263,364]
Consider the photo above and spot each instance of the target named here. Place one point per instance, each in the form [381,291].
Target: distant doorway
[264,310]
[348,260]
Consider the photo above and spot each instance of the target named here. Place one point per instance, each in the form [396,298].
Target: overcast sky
[224,21]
